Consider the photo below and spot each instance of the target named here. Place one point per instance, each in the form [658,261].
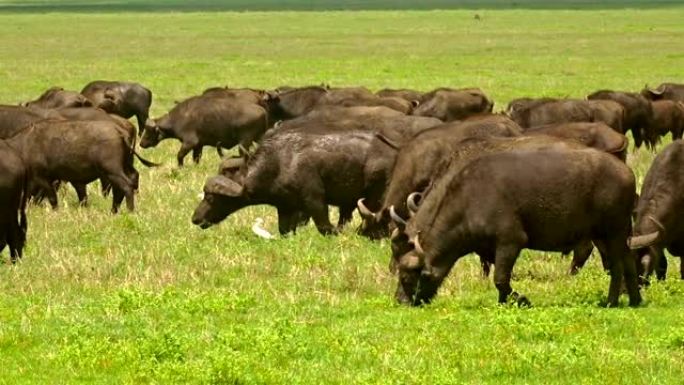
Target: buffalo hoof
[520,300]
[636,302]
[608,304]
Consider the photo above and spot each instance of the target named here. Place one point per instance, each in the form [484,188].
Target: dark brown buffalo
[14,176]
[421,160]
[595,135]
[244,94]
[377,119]
[669,91]
[298,102]
[411,96]
[668,116]
[207,121]
[449,104]
[530,113]
[658,225]
[466,151]
[526,103]
[79,152]
[57,97]
[125,99]
[638,113]
[296,172]
[15,118]
[502,203]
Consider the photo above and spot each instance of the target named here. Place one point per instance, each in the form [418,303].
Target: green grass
[149,298]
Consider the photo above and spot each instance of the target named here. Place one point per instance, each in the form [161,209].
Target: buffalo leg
[82,194]
[661,270]
[346,213]
[117,198]
[105,186]
[125,187]
[580,255]
[622,266]
[681,267]
[184,151]
[318,210]
[49,190]
[505,258]
[486,264]
[197,154]
[287,220]
[142,119]
[15,241]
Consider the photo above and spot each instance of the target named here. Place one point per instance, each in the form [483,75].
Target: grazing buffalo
[296,172]
[421,159]
[502,203]
[595,135]
[79,152]
[121,98]
[638,113]
[658,225]
[448,104]
[406,94]
[668,116]
[530,113]
[669,91]
[13,196]
[207,121]
[57,97]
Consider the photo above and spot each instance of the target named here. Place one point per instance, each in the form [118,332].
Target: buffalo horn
[395,217]
[641,241]
[417,246]
[412,202]
[365,212]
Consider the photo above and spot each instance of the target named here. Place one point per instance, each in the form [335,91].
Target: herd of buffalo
[438,173]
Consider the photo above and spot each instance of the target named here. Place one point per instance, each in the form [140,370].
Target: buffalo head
[222,197]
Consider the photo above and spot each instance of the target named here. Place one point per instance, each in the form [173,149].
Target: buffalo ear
[415,103]
[270,96]
[221,185]
[410,261]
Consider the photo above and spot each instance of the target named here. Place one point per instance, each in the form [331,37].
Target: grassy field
[148,298]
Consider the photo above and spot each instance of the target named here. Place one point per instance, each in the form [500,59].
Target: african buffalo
[669,91]
[530,113]
[595,135]
[501,203]
[15,118]
[207,121]
[421,159]
[124,99]
[244,94]
[295,171]
[449,104]
[14,176]
[638,113]
[658,225]
[406,94]
[668,116]
[79,152]
[57,97]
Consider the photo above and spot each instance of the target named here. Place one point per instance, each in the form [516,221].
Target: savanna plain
[149,298]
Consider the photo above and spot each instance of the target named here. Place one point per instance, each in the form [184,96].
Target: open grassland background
[148,298]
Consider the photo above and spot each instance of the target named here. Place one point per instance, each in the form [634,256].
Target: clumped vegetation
[149,298]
